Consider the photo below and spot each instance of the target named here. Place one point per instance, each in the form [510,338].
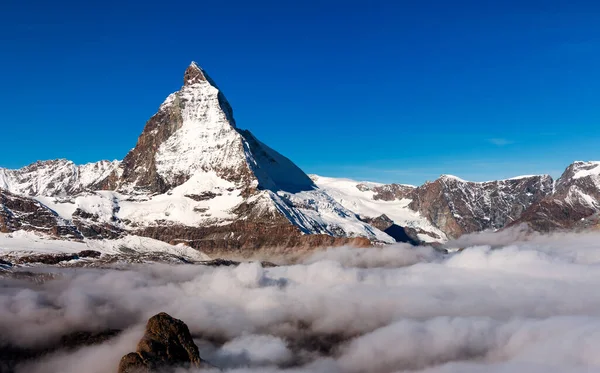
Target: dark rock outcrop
[24,213]
[166,344]
[92,226]
[193,74]
[388,192]
[398,233]
[245,238]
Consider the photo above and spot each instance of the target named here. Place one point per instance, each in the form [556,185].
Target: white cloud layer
[510,302]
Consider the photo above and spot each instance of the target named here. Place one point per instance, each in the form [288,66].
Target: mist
[508,302]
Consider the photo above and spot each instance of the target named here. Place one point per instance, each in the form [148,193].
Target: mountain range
[195,179]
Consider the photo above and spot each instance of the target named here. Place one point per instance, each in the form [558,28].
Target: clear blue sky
[397,91]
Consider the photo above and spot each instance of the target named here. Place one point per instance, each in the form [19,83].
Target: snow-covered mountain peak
[579,170]
[583,169]
[193,131]
[452,178]
[194,74]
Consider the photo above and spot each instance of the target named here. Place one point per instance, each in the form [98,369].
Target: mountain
[58,177]
[445,208]
[457,206]
[194,178]
[574,203]
[449,207]
[385,206]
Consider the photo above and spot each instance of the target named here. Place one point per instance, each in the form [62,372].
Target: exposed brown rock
[571,206]
[382,222]
[139,168]
[552,214]
[166,344]
[23,213]
[244,238]
[388,192]
[398,233]
[91,226]
[458,207]
[50,259]
[193,74]
[227,263]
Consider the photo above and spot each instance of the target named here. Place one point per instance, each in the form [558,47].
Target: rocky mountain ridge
[449,207]
[194,178]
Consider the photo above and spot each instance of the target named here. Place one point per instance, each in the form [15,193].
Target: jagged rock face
[22,213]
[582,178]
[59,177]
[458,207]
[93,226]
[166,345]
[388,192]
[139,166]
[576,199]
[371,200]
[246,238]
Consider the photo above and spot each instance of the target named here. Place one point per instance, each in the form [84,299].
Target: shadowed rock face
[243,238]
[18,212]
[139,167]
[166,344]
[398,233]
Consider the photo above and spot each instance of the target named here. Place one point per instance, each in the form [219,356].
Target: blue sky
[392,91]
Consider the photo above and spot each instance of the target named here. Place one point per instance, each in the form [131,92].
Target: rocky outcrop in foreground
[166,344]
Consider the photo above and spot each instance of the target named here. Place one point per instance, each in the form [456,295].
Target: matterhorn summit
[193,178]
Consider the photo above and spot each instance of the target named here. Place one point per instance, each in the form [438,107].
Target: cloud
[499,141]
[511,301]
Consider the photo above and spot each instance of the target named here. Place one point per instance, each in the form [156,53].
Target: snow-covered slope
[368,199]
[445,208]
[21,243]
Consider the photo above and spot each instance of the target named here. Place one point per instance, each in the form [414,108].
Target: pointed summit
[194,74]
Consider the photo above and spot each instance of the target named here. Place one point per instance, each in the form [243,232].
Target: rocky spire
[193,74]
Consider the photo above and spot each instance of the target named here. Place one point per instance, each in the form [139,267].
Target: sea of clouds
[508,302]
